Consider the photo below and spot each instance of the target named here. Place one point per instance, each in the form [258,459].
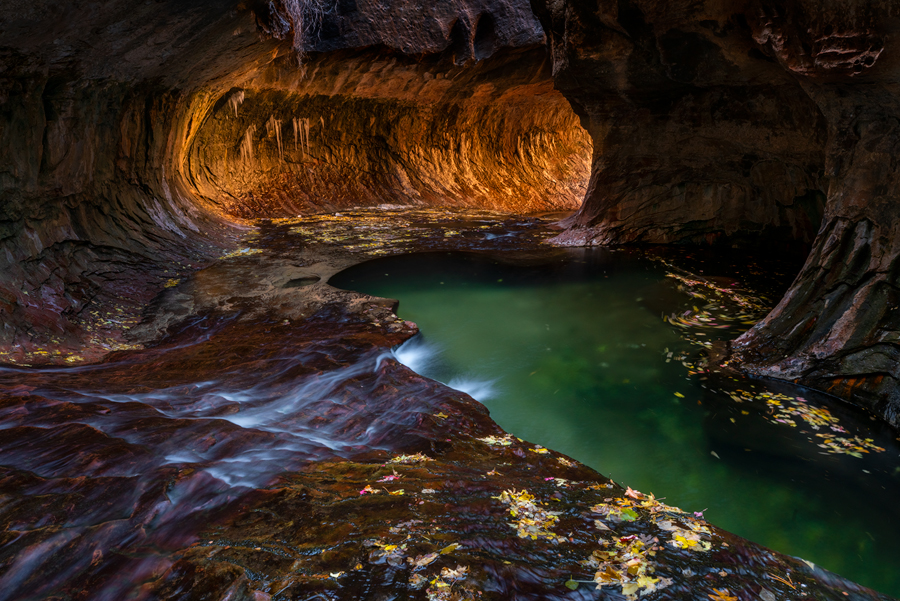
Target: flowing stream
[181,465]
[599,355]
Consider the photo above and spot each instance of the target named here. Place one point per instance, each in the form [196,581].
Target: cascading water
[595,354]
[423,358]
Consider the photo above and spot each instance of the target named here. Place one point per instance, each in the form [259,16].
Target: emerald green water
[570,351]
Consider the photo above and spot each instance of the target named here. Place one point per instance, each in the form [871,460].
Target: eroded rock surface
[135,139]
[271,447]
[755,123]
[376,127]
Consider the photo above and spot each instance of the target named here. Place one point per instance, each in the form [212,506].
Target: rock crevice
[752,124]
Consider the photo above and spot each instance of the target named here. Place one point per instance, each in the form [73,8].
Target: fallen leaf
[458,574]
[629,514]
[449,549]
[423,560]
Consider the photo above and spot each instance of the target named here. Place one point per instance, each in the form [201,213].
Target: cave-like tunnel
[121,173]
[149,151]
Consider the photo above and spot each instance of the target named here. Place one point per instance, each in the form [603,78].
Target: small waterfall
[424,358]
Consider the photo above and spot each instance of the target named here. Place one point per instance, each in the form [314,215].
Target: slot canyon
[190,410]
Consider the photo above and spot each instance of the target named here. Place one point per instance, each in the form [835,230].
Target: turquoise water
[570,350]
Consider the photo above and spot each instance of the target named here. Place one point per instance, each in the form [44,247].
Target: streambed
[600,355]
[259,440]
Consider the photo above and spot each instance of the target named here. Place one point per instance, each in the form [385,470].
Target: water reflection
[583,361]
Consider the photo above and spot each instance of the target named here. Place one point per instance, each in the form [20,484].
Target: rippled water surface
[599,355]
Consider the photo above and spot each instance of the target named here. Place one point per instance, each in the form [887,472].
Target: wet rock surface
[757,124]
[699,137]
[136,140]
[269,446]
[124,172]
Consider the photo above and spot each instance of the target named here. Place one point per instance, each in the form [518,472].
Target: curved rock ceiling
[136,138]
[376,127]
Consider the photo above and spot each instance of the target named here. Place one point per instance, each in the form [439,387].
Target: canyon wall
[375,127]
[761,124]
[136,139]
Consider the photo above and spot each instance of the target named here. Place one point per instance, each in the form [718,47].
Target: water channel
[183,465]
[600,355]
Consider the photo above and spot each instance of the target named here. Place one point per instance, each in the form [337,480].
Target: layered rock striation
[752,124]
[136,139]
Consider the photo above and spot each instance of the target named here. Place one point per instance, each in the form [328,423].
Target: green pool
[599,355]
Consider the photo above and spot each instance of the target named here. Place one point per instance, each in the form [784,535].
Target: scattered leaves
[410,459]
[497,441]
[532,519]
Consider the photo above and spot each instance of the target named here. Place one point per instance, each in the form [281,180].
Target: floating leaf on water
[572,584]
[423,560]
[449,548]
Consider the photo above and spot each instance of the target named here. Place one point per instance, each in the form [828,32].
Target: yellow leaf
[449,549]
